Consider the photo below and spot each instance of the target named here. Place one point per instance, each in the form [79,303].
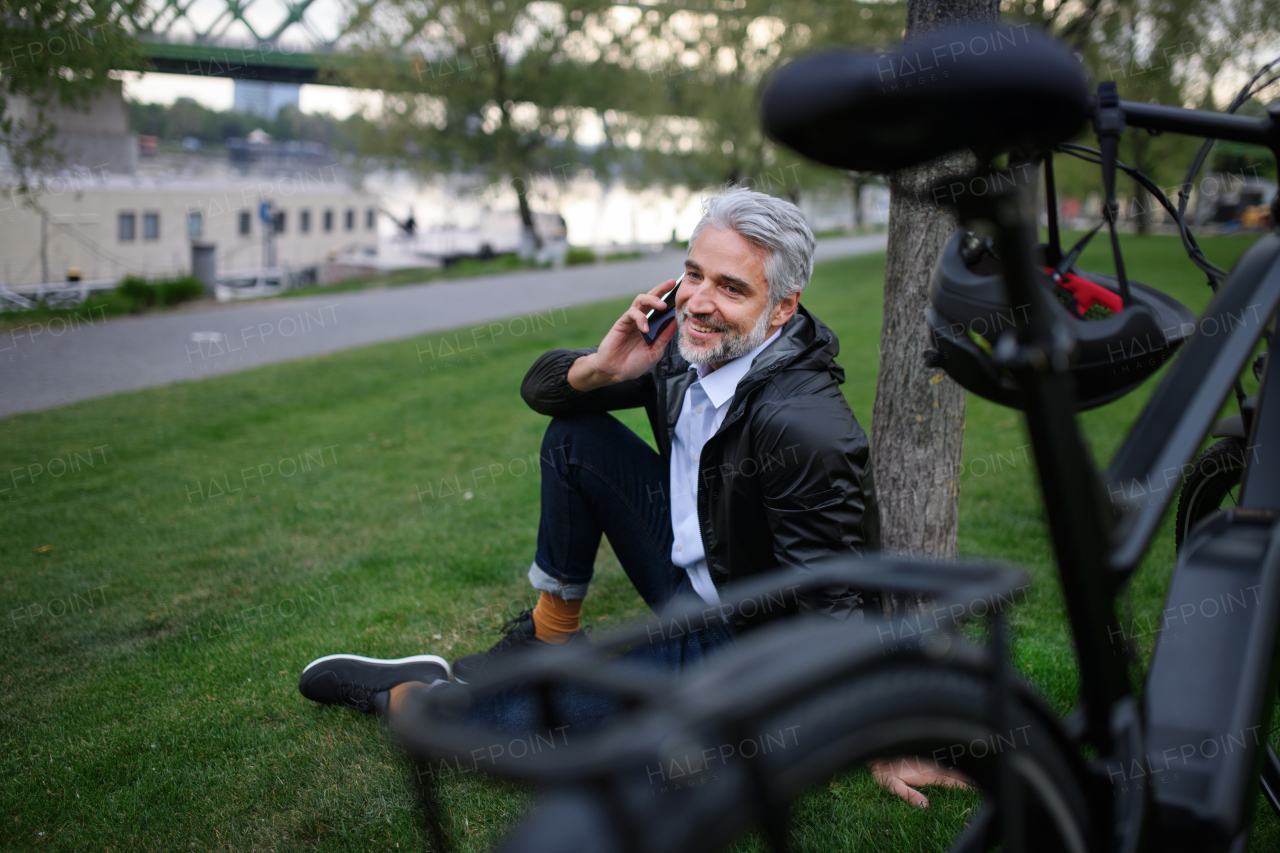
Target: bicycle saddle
[968,311]
[986,88]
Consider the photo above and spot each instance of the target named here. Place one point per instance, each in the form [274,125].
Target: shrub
[137,292]
[178,290]
[481,266]
[140,294]
[580,255]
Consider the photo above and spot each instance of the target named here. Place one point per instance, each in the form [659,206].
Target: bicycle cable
[1215,273]
[1093,155]
[1194,253]
[1246,93]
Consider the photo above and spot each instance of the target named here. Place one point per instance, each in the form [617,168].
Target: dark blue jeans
[599,477]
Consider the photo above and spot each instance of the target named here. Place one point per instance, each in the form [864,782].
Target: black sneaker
[363,684]
[517,633]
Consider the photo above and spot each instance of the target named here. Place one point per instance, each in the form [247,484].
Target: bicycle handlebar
[1211,125]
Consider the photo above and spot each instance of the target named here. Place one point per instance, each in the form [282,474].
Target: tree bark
[1144,203]
[917,425]
[858,182]
[44,246]
[530,241]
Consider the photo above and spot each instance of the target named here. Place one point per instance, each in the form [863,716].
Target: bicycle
[1218,472]
[1119,773]
[1215,476]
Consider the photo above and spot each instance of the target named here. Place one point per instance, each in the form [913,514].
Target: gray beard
[732,344]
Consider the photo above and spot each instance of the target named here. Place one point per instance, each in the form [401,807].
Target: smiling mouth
[698,327]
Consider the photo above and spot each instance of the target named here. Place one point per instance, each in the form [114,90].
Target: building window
[195,224]
[278,222]
[127,228]
[150,226]
[304,221]
[328,220]
[370,218]
[351,219]
[245,219]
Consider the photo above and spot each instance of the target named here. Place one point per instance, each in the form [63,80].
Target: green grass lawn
[159,603]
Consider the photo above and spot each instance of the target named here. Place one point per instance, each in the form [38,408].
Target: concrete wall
[96,138]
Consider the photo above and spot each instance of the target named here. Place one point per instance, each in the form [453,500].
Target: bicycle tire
[1215,472]
[938,712]
[912,708]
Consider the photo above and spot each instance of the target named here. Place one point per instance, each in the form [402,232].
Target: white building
[108,226]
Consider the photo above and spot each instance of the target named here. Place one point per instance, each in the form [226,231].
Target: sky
[218,94]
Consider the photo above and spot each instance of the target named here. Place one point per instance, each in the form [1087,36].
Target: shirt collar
[719,385]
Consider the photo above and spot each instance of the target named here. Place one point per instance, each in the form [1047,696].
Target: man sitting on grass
[761,464]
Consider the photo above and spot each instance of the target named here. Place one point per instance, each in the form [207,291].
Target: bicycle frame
[1210,683]
[1101,525]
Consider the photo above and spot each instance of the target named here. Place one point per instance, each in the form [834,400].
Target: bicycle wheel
[908,709]
[1214,481]
[945,714]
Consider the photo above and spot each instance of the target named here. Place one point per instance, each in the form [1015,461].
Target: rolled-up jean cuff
[545,582]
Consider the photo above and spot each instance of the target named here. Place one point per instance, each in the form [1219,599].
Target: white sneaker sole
[433,659]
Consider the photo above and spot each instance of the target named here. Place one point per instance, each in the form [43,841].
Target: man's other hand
[623,353]
[899,774]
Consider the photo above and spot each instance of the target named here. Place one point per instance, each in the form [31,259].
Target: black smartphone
[658,319]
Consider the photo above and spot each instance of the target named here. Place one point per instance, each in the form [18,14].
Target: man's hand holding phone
[624,353]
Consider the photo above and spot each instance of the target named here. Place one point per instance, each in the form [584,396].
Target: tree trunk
[917,425]
[858,183]
[1144,205]
[44,246]
[530,242]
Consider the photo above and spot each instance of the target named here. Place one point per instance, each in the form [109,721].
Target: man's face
[722,307]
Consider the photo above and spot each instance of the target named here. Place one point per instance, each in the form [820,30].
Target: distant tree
[503,89]
[187,118]
[147,119]
[499,89]
[859,181]
[708,65]
[1245,160]
[1172,52]
[56,54]
[229,125]
[1149,50]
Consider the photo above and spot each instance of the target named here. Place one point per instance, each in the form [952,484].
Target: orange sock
[554,619]
[399,692]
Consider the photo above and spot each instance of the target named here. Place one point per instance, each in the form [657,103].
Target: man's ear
[784,310]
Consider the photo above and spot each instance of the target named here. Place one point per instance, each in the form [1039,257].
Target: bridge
[273,41]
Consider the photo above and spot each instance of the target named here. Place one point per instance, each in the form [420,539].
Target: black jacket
[785,481]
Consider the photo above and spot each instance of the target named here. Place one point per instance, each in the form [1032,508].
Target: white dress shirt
[704,409]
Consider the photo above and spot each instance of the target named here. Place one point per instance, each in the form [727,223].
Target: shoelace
[357,696]
[511,631]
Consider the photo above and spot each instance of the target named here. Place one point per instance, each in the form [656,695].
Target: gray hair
[771,224]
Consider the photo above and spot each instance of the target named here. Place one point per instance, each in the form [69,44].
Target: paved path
[47,365]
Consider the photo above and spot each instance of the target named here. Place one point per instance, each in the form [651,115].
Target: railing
[23,297]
